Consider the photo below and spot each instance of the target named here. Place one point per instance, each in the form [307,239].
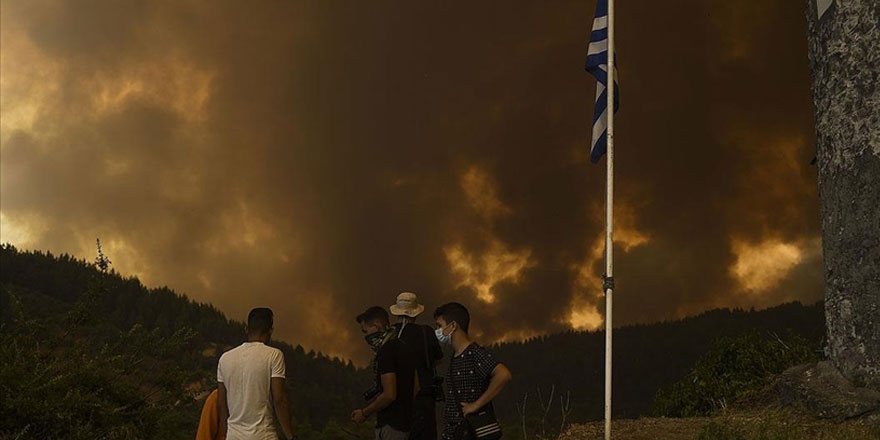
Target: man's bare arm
[416,385]
[388,395]
[222,409]
[500,377]
[282,408]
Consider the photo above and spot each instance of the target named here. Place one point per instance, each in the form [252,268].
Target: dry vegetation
[765,424]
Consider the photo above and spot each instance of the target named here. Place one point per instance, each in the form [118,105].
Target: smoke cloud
[321,157]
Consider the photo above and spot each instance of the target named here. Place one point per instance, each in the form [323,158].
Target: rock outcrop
[844,49]
[821,390]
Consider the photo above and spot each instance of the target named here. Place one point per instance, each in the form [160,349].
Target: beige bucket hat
[407,305]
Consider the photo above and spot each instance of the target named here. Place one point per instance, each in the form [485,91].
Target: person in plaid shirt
[475,377]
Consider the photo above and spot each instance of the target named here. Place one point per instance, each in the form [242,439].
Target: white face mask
[443,339]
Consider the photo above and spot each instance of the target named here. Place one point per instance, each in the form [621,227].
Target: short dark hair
[260,320]
[373,314]
[454,312]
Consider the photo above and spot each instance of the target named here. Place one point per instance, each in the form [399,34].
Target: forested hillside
[646,359]
[91,354]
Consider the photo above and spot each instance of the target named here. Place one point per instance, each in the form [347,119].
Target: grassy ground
[765,424]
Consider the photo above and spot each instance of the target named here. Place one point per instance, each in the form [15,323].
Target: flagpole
[608,284]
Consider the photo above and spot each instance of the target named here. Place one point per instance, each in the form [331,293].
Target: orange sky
[320,157]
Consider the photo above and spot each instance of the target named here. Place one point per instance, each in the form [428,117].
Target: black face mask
[376,339]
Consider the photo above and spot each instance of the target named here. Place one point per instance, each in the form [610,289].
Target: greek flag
[597,65]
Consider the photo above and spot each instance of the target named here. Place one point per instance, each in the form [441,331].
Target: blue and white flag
[597,65]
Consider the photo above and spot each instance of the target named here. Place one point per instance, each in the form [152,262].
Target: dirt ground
[758,425]
[640,429]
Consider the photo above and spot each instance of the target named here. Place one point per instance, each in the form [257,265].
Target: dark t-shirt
[392,358]
[414,338]
[468,378]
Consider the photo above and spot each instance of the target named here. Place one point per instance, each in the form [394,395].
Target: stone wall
[844,50]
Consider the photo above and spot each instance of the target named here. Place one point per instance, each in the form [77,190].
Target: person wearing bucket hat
[424,350]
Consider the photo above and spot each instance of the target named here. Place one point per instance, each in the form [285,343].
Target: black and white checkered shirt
[468,378]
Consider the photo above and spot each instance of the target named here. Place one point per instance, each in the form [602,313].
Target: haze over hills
[49,289]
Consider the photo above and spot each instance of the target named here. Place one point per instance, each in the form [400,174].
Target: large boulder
[821,390]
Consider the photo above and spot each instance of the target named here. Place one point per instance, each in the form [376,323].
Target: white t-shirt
[246,371]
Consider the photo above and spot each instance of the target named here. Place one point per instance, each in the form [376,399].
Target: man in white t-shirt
[251,384]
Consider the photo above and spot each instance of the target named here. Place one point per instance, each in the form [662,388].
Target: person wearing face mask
[424,350]
[474,377]
[395,378]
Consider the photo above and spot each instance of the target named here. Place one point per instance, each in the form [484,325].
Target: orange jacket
[209,423]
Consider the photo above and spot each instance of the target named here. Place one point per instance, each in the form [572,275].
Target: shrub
[733,367]
[57,383]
